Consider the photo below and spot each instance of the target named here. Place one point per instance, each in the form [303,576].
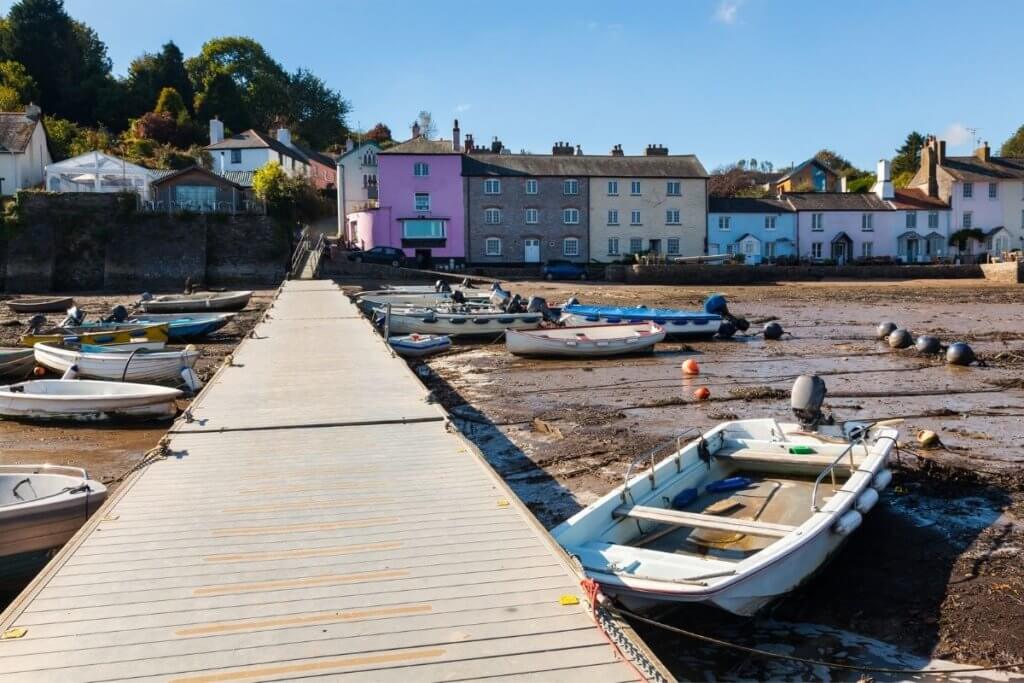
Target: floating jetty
[314,514]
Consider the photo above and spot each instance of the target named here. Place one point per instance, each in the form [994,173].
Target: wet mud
[935,572]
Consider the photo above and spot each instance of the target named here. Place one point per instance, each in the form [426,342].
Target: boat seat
[699,521]
[819,461]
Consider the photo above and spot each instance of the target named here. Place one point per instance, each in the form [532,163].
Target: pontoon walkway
[314,519]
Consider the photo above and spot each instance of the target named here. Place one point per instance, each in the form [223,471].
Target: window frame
[236,156]
[968,191]
[933,225]
[725,223]
[566,212]
[613,188]
[435,235]
[565,244]
[817,223]
[570,187]
[416,196]
[613,216]
[993,190]
[817,247]
[635,217]
[536,216]
[867,222]
[613,246]
[676,185]
[418,166]
[639,242]
[769,222]
[967,220]
[490,183]
[910,220]
[488,212]
[635,188]
[669,251]
[487,246]
[530,183]
[673,217]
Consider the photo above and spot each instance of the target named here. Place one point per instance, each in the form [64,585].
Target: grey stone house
[524,209]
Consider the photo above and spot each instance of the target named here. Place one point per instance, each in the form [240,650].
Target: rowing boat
[677,323]
[41,304]
[86,400]
[583,342]
[426,321]
[201,301]
[16,362]
[120,334]
[124,366]
[180,326]
[419,345]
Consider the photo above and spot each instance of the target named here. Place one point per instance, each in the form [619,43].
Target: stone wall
[88,242]
[1008,273]
[697,274]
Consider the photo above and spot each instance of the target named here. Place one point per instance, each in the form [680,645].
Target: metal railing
[831,469]
[301,247]
[650,455]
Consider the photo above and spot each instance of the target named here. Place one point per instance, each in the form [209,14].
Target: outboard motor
[36,322]
[73,317]
[717,305]
[537,304]
[458,297]
[466,284]
[806,399]
[443,286]
[514,305]
[498,296]
[437,285]
[571,301]
[118,314]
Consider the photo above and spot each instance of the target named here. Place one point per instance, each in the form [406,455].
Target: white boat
[425,321]
[16,362]
[419,345]
[200,301]
[372,301]
[41,507]
[593,341]
[86,400]
[127,366]
[735,519]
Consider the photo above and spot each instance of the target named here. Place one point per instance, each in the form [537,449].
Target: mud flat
[937,571]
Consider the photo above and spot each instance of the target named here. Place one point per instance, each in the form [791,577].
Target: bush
[288,198]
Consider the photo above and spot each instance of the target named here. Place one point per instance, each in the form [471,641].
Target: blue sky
[725,79]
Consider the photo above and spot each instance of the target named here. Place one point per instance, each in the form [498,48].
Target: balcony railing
[248,206]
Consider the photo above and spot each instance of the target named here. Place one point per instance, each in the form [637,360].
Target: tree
[427,127]
[289,199]
[162,128]
[1014,147]
[150,73]
[316,111]
[835,161]
[61,134]
[908,156]
[222,98]
[379,134]
[171,104]
[18,88]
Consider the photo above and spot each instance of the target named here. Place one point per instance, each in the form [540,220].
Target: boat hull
[127,335]
[42,400]
[463,325]
[213,301]
[55,305]
[179,327]
[700,326]
[16,362]
[418,348]
[633,339]
[157,366]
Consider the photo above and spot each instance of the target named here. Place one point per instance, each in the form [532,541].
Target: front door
[531,251]
[769,251]
[911,251]
[655,246]
[839,252]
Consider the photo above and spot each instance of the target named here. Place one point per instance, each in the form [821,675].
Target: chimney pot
[216,130]
[656,151]
[416,129]
[457,137]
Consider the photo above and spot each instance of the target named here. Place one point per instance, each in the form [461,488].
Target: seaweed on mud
[758,393]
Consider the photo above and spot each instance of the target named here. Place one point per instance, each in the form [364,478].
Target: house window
[634,217]
[532,216]
[492,216]
[968,219]
[816,250]
[531,186]
[492,186]
[634,188]
[673,246]
[866,249]
[423,230]
[911,220]
[968,190]
[724,223]
[613,246]
[769,222]
[613,217]
[672,216]
[570,216]
[492,246]
[673,188]
[196,196]
[421,169]
[422,201]
[236,156]
[570,187]
[817,222]
[370,159]
[933,219]
[613,188]
[570,247]
[636,245]
[748,247]
[993,190]
[867,222]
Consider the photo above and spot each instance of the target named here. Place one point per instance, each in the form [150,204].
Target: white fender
[847,523]
[191,379]
[70,373]
[882,480]
[866,501]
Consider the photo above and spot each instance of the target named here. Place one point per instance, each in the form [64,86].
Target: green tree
[316,111]
[908,156]
[835,161]
[150,73]
[61,134]
[171,104]
[289,199]
[222,98]
[1014,147]
[17,86]
[270,183]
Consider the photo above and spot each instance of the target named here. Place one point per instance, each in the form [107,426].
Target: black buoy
[885,329]
[741,324]
[926,343]
[773,331]
[726,330]
[960,353]
[900,338]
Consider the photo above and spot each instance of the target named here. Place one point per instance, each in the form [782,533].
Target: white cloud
[459,108]
[727,10]
[957,134]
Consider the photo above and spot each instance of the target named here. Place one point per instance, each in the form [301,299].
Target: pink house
[421,207]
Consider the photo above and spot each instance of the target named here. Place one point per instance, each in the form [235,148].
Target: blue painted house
[763,230]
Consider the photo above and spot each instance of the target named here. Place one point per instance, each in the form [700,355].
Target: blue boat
[677,323]
[180,325]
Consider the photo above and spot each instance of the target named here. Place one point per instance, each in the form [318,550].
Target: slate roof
[202,171]
[15,131]
[916,198]
[973,169]
[421,145]
[747,205]
[836,201]
[674,166]
[242,178]
[252,139]
[318,157]
[799,167]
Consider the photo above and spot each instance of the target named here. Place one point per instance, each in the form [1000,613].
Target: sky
[774,80]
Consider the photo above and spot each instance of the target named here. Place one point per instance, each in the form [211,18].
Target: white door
[531,249]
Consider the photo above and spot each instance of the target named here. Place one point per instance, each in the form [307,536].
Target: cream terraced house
[650,204]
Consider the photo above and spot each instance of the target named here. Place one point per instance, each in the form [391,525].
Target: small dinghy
[180,326]
[115,364]
[738,517]
[41,507]
[585,342]
[86,400]
[419,345]
[120,334]
[40,304]
[200,301]
[677,323]
[427,321]
[16,362]
[370,302]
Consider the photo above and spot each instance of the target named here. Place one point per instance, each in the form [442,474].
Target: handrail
[650,454]
[300,250]
[317,254]
[831,469]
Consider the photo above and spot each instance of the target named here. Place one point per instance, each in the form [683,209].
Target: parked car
[564,270]
[387,255]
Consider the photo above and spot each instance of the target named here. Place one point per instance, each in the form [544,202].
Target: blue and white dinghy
[419,345]
[738,517]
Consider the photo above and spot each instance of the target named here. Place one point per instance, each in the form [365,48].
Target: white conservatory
[99,172]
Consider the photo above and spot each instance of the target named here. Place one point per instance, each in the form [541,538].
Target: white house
[251,150]
[24,152]
[359,164]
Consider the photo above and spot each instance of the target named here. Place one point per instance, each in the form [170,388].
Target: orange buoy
[702,393]
[38,371]
[691,367]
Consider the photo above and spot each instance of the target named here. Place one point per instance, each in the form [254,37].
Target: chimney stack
[216,130]
[415,129]
[617,151]
[469,143]
[496,145]
[350,144]
[883,181]
[579,150]
[656,151]
[284,136]
[842,185]
[33,111]
[983,153]
[456,137]
[930,154]
[562,149]
[941,159]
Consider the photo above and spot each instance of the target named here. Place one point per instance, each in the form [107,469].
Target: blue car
[564,270]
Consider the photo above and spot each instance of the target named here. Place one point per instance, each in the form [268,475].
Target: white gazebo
[98,172]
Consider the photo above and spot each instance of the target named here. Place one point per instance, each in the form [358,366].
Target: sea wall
[1008,273]
[696,274]
[90,242]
